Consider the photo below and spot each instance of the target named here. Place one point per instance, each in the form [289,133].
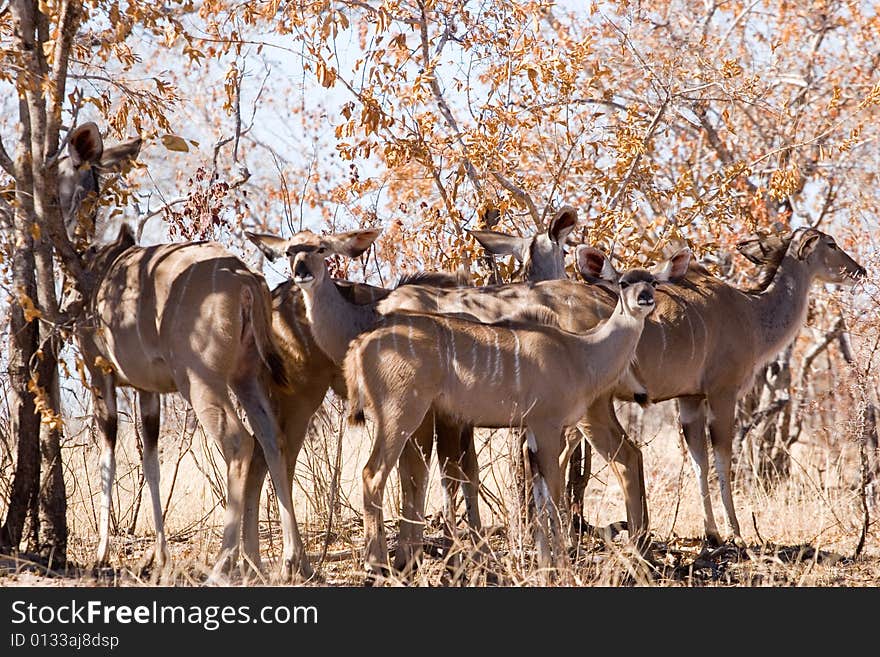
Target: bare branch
[652,128]
[441,101]
[5,160]
[522,195]
[832,335]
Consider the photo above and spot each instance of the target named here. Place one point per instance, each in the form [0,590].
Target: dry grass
[801,532]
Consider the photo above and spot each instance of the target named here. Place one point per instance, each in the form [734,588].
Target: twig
[77,104]
[757,533]
[655,122]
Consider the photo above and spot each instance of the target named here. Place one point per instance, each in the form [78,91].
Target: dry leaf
[175,143]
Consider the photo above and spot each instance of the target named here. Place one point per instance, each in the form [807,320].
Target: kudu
[323,320]
[542,256]
[188,318]
[79,176]
[508,374]
[714,335]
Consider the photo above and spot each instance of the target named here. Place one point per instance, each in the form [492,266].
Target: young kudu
[315,328]
[188,318]
[514,373]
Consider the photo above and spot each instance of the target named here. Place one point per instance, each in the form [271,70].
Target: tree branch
[441,101]
[652,128]
[5,160]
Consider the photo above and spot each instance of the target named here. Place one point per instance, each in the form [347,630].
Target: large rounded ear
[562,224]
[120,157]
[352,243]
[125,237]
[762,248]
[594,265]
[674,269]
[85,144]
[272,247]
[106,254]
[807,243]
[501,244]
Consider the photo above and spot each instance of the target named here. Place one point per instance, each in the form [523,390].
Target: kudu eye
[655,283]
[624,285]
[322,250]
[832,246]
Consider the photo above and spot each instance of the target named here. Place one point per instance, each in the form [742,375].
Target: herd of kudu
[426,362]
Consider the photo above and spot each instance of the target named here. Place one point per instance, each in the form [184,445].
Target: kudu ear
[85,144]
[674,269]
[272,247]
[761,249]
[594,265]
[502,244]
[562,224]
[120,157]
[109,252]
[125,237]
[353,243]
[807,243]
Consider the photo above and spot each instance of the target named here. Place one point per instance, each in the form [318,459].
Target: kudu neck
[334,320]
[781,308]
[610,347]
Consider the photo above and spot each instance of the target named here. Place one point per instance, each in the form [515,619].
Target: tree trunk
[52,535]
[25,424]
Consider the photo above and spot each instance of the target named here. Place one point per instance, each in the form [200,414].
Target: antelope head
[635,288]
[821,255]
[543,255]
[79,175]
[307,251]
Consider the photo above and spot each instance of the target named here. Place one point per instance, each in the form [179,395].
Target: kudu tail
[259,304]
[352,368]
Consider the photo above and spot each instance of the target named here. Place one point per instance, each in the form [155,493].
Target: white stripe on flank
[409,337]
[475,346]
[691,329]
[705,334]
[516,373]
[488,357]
[214,276]
[454,354]
[662,343]
[498,369]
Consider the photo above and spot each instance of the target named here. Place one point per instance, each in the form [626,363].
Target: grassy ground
[801,532]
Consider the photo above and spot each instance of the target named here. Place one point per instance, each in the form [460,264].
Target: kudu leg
[393,430]
[607,437]
[457,457]
[259,413]
[250,521]
[721,430]
[692,415]
[544,447]
[413,471]
[149,403]
[576,460]
[294,412]
[105,410]
[214,410]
